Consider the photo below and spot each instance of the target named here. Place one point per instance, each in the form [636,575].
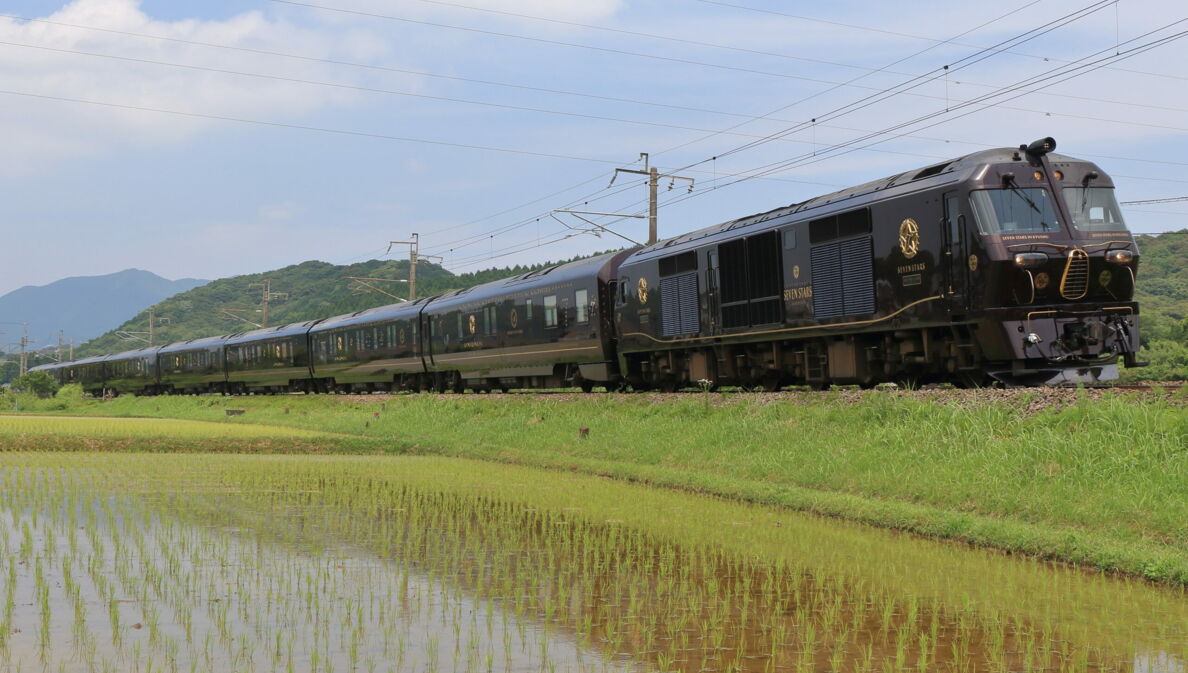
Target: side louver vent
[679,309]
[1075,282]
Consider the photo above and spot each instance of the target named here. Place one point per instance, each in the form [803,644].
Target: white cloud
[49,130]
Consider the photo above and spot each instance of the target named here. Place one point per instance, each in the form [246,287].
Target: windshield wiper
[1020,193]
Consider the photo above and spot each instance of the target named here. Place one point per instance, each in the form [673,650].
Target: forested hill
[1163,305]
[313,290]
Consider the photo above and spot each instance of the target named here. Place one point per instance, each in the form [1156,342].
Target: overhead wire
[1067,71]
[260,51]
[884,31]
[920,80]
[1018,39]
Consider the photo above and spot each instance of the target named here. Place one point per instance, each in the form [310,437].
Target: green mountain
[303,291]
[1163,302]
[84,307]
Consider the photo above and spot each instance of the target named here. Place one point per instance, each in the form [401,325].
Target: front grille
[1075,282]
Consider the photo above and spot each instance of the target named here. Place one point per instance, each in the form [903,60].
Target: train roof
[944,172]
[195,344]
[581,269]
[48,366]
[265,333]
[128,355]
[403,310]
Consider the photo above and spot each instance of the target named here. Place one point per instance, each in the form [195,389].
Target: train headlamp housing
[1120,256]
[1030,260]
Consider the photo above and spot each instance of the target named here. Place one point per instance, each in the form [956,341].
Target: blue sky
[90,189]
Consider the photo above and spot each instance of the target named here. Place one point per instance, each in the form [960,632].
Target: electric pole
[654,176]
[24,343]
[414,253]
[130,335]
[267,296]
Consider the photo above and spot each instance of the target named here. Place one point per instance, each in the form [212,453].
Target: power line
[559,43]
[563,92]
[1019,39]
[336,85]
[1174,199]
[920,80]
[1068,73]
[916,37]
[302,127]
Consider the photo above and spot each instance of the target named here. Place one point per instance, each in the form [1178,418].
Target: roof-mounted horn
[1039,148]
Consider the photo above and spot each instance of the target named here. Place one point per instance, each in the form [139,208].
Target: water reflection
[413,565]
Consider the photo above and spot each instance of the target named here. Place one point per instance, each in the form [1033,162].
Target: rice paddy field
[224,562]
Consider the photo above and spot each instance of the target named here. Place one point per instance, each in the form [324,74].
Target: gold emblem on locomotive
[973,262]
[472,325]
[1041,280]
[514,318]
[643,290]
[909,238]
[1105,277]
[796,271]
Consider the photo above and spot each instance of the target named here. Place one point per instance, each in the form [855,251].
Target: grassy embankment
[1102,483]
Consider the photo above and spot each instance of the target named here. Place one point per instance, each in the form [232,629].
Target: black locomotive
[1011,266]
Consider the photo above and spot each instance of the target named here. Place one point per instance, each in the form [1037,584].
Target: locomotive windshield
[1094,209]
[1009,211]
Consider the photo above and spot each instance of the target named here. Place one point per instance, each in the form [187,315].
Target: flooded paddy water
[252,563]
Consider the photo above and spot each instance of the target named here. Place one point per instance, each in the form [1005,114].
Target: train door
[713,307]
[956,275]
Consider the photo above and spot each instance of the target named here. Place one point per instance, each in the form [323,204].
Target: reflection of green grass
[317,558]
[1097,482]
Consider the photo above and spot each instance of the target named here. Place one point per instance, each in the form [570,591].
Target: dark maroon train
[1011,266]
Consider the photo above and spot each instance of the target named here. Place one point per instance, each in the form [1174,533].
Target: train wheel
[586,386]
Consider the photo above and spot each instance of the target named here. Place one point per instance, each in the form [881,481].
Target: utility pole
[24,351]
[414,253]
[130,335]
[654,176]
[24,343]
[267,296]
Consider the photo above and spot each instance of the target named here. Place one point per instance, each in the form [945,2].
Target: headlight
[1030,260]
[1120,256]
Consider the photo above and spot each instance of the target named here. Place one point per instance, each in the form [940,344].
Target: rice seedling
[260,563]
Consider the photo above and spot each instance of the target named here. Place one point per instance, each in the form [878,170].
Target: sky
[222,137]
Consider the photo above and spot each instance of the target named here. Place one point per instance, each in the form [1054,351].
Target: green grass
[1103,482]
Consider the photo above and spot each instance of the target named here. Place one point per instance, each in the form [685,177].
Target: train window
[489,319]
[621,290]
[853,223]
[1094,209]
[790,239]
[550,311]
[673,264]
[528,309]
[581,300]
[823,229]
[461,326]
[1009,211]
